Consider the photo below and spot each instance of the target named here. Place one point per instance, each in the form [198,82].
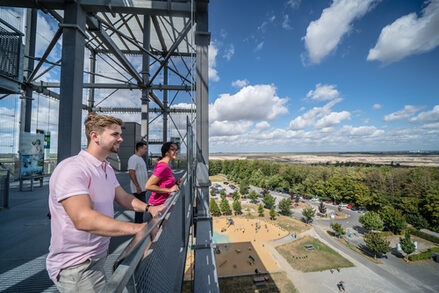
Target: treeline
[409,191]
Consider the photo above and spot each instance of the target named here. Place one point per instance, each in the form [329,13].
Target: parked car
[328,201]
[314,199]
[229,195]
[349,206]
[343,205]
[361,210]
[226,183]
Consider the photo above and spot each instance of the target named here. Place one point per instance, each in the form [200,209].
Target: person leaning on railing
[82,190]
[162,181]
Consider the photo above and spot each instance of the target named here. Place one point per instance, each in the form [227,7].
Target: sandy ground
[247,249]
[386,159]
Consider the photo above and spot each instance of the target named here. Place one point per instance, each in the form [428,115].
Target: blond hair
[98,123]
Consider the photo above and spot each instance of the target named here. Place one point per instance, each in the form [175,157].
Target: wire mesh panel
[10,43]
[4,188]
[161,270]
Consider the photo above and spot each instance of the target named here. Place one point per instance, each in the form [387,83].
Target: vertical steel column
[92,78]
[165,103]
[202,40]
[144,127]
[31,35]
[70,108]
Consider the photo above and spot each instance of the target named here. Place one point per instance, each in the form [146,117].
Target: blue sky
[290,76]
[294,76]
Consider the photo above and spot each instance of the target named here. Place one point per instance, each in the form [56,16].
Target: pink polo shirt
[80,174]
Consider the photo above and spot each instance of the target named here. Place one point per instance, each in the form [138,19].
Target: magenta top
[167,180]
[81,174]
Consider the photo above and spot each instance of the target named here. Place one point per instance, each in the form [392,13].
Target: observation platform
[25,234]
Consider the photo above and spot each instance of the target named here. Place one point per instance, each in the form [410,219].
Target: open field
[404,159]
[319,259]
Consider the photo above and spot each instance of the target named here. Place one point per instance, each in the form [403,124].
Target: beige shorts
[88,276]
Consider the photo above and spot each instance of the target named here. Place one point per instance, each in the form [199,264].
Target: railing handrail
[127,261]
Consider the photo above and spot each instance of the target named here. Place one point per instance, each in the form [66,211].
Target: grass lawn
[321,259]
[218,178]
[357,250]
[278,282]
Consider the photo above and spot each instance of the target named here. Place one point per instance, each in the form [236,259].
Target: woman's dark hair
[165,148]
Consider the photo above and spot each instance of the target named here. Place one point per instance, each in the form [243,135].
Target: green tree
[338,229]
[237,207]
[272,213]
[407,245]
[308,213]
[372,221]
[376,243]
[260,210]
[212,192]
[322,208]
[223,194]
[213,207]
[285,206]
[225,207]
[430,207]
[235,195]
[253,196]
[393,219]
[418,221]
[243,188]
[269,200]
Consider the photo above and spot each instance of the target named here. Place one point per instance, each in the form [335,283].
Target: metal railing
[157,265]
[4,187]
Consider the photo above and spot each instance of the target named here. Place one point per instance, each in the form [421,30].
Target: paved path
[365,276]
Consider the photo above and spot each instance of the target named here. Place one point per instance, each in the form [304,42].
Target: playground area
[247,251]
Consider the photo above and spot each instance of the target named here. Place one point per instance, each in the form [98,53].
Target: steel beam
[92,76]
[172,49]
[95,27]
[121,86]
[31,32]
[137,110]
[114,6]
[70,108]
[202,40]
[165,103]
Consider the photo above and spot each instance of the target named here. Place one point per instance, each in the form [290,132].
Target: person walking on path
[139,176]
[162,181]
[82,190]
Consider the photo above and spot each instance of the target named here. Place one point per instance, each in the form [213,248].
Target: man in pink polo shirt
[82,191]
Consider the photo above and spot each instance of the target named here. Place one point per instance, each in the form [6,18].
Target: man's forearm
[129,202]
[99,224]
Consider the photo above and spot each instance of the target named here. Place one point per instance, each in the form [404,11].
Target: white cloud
[263,26]
[240,83]
[333,119]
[408,111]
[213,73]
[262,125]
[427,117]
[323,35]
[258,102]
[45,33]
[259,46]
[229,53]
[302,109]
[408,35]
[309,117]
[377,106]
[361,131]
[286,23]
[323,92]
[229,128]
[294,4]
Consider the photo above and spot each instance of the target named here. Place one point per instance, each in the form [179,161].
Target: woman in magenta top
[162,181]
